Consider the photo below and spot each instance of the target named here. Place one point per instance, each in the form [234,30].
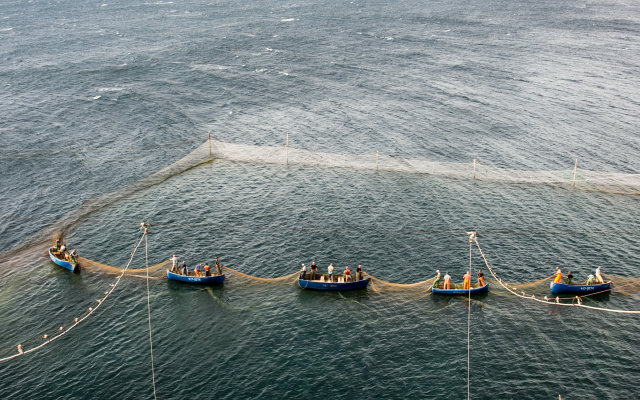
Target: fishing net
[609,182]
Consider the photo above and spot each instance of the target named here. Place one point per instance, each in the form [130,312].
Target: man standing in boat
[174,263]
[466,280]
[218,266]
[599,276]
[330,272]
[436,281]
[480,278]
[303,272]
[447,281]
[314,270]
[359,273]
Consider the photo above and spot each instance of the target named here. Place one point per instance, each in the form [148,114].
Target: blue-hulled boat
[461,292]
[60,258]
[202,280]
[322,285]
[557,288]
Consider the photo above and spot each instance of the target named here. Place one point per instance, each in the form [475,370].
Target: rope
[146,257]
[471,236]
[59,332]
[545,300]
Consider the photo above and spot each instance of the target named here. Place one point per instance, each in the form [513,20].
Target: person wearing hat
[436,281]
[303,272]
[174,263]
[558,277]
[447,281]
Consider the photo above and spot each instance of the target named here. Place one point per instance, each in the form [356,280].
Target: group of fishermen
[591,279]
[199,270]
[61,249]
[466,280]
[331,276]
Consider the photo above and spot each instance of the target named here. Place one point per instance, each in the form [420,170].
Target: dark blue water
[96,97]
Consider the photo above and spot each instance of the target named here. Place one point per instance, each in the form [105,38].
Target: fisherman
[174,263]
[599,276]
[74,255]
[57,244]
[196,270]
[207,269]
[590,280]
[185,271]
[558,277]
[436,281]
[359,273]
[218,266]
[569,278]
[466,280]
[447,281]
[480,278]
[303,272]
[314,271]
[330,272]
[63,248]
[347,274]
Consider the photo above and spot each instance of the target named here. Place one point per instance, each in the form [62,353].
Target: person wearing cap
[359,273]
[303,272]
[330,272]
[480,278]
[558,277]
[174,263]
[466,280]
[599,276]
[447,281]
[436,281]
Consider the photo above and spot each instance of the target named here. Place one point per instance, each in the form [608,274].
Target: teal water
[98,96]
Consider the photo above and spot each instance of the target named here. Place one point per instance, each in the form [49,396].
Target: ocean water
[97,96]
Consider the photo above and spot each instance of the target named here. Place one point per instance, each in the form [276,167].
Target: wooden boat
[461,292]
[326,285]
[60,258]
[557,288]
[202,280]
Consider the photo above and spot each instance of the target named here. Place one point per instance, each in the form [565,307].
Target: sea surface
[95,97]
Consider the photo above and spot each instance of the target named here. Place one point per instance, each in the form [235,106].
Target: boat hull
[71,266]
[461,292]
[319,285]
[557,288]
[200,280]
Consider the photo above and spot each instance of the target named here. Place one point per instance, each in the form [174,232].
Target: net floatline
[49,337]
[609,182]
[576,301]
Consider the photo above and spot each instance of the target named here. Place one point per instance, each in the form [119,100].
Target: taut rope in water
[61,331]
[545,300]
[146,258]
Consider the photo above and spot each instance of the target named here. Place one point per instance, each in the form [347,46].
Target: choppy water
[98,96]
